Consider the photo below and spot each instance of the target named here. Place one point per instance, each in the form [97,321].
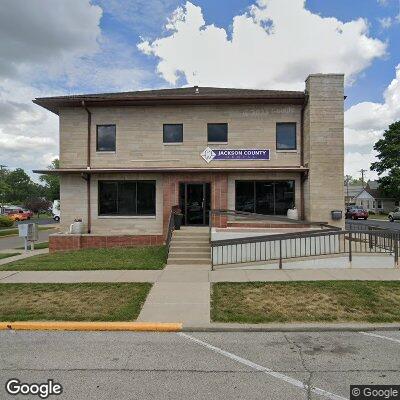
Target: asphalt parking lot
[119,365]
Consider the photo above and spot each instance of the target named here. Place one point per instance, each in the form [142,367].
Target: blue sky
[370,84]
[77,46]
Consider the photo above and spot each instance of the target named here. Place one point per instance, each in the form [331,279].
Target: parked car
[394,215]
[356,212]
[20,215]
[56,210]
[29,212]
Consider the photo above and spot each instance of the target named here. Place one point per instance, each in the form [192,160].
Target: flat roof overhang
[54,104]
[60,171]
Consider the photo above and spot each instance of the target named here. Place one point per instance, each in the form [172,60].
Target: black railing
[171,228]
[304,244]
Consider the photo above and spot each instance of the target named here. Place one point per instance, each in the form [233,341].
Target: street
[121,365]
[15,241]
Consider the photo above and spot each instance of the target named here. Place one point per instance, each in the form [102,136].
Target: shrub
[5,222]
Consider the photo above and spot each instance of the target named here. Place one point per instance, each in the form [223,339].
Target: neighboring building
[350,192]
[127,158]
[373,200]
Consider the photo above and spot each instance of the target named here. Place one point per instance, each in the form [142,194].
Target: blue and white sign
[235,154]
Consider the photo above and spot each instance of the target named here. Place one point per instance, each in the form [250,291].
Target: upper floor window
[127,198]
[106,138]
[286,136]
[173,133]
[217,133]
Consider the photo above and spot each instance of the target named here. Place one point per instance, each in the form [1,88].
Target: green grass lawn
[149,257]
[383,217]
[38,246]
[14,231]
[72,301]
[321,301]
[5,255]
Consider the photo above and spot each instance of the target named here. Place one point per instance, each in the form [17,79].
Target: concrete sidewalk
[20,256]
[182,293]
[182,276]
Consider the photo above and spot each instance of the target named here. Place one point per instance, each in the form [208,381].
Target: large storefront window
[127,198]
[265,197]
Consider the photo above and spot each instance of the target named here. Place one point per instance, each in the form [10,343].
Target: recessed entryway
[194,201]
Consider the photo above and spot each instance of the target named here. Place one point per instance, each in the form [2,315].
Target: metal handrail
[171,228]
[304,244]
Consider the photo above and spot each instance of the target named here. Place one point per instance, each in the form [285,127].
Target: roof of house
[376,194]
[374,185]
[354,190]
[187,95]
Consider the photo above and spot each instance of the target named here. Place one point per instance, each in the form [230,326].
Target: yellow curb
[92,326]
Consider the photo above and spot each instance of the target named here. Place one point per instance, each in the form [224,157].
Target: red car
[356,212]
[19,214]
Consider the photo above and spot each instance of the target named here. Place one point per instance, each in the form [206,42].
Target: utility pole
[362,176]
[347,181]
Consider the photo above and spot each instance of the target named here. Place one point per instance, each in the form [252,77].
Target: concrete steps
[190,246]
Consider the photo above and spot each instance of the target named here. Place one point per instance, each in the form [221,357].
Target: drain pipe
[88,176]
[303,177]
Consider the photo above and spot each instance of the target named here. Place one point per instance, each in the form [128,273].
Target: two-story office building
[127,158]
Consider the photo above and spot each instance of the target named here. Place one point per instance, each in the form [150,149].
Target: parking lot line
[268,371]
[381,337]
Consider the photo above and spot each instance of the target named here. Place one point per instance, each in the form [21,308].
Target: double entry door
[194,201]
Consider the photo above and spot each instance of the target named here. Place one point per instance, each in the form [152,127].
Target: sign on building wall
[235,154]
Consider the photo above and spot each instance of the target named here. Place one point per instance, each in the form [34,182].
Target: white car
[56,210]
[394,215]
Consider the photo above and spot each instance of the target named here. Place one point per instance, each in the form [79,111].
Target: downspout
[303,176]
[88,165]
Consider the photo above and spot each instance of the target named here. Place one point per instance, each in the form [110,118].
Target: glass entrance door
[195,203]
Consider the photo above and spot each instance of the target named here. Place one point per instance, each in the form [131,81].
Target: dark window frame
[295,136]
[97,137]
[165,142]
[217,123]
[254,192]
[117,182]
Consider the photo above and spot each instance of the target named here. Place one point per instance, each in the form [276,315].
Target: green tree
[4,188]
[388,149]
[20,187]
[51,182]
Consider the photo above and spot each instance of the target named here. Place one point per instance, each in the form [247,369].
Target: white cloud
[356,161]
[365,123]
[26,131]
[46,33]
[276,44]
[40,40]
[386,22]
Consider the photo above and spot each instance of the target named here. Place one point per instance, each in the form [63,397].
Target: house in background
[350,192]
[373,200]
